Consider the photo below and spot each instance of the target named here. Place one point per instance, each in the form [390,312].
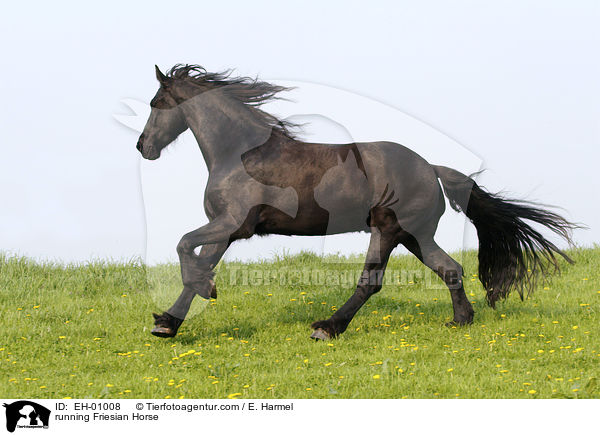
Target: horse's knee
[185,246]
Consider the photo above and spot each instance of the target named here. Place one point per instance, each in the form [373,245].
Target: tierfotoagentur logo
[25,414]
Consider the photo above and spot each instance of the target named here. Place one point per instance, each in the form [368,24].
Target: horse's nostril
[140,143]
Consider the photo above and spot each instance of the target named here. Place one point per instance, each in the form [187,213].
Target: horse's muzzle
[140,143]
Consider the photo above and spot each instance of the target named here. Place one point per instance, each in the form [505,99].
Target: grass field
[84,332]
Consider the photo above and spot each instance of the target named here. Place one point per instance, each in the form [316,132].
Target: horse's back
[417,196]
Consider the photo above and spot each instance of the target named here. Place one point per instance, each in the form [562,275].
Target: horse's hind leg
[167,323]
[385,235]
[449,271]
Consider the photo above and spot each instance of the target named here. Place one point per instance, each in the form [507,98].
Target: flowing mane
[251,92]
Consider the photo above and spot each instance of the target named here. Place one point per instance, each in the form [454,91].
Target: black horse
[262,180]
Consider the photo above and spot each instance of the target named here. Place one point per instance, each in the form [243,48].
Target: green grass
[84,332]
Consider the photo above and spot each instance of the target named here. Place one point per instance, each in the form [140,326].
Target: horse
[264,180]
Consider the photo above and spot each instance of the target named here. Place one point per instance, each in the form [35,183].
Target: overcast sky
[513,83]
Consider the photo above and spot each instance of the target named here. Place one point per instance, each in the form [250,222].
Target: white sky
[516,83]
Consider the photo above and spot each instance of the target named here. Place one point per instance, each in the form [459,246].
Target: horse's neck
[224,131]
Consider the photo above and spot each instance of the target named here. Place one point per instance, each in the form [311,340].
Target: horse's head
[166,120]
[222,111]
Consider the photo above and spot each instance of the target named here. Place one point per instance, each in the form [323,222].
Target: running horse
[263,180]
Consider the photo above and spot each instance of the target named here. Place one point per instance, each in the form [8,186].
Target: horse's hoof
[165,325]
[163,332]
[320,334]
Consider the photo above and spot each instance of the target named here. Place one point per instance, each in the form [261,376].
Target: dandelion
[376,376]
[532,391]
[233,395]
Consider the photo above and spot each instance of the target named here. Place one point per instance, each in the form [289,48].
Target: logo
[26,414]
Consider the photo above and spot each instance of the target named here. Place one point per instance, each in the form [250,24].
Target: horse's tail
[512,254]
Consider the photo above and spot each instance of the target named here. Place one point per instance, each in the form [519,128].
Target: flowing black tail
[512,254]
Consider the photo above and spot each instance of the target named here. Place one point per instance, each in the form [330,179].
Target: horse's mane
[251,92]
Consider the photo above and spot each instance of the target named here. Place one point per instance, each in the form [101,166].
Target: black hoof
[320,334]
[165,325]
[324,330]
[162,332]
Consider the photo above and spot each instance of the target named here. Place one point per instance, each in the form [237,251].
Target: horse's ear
[160,76]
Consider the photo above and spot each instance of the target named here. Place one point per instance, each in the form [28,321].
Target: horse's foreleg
[167,324]
[385,234]
[196,271]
